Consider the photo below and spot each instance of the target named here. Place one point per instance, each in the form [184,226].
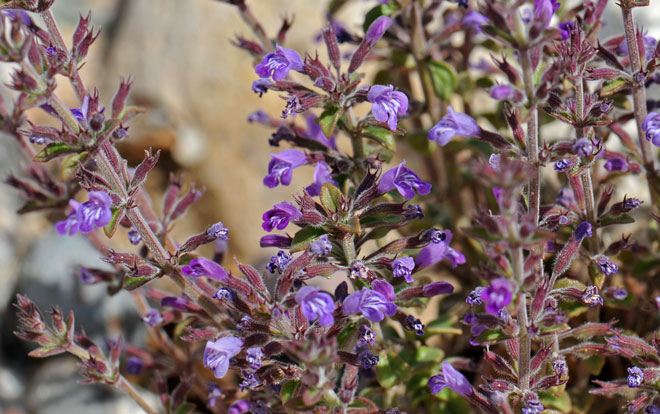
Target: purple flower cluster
[316,304]
[404,180]
[453,123]
[279,216]
[281,166]
[278,64]
[87,216]
[218,353]
[451,378]
[387,104]
[374,303]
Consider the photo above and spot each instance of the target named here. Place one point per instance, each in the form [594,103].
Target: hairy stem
[534,188]
[524,344]
[126,386]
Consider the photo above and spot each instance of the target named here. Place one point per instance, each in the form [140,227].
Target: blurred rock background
[196,88]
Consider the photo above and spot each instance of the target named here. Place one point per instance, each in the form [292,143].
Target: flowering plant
[337,321]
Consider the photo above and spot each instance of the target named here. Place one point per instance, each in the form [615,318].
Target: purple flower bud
[280,168]
[591,297]
[583,230]
[259,116]
[214,393]
[315,132]
[403,267]
[566,29]
[451,378]
[565,197]
[632,203]
[134,237]
[218,231]
[565,164]
[453,123]
[544,10]
[218,353]
[413,324]
[494,161]
[85,217]
[474,298]
[279,216]
[651,128]
[249,381]
[152,317]
[292,107]
[316,304]
[635,377]
[502,92]
[278,64]
[497,295]
[322,175]
[533,407]
[239,407]
[620,294]
[278,262]
[40,140]
[652,409]
[133,366]
[404,180]
[87,277]
[607,266]
[254,357]
[616,164]
[377,29]
[260,86]
[435,252]
[474,20]
[119,134]
[497,193]
[367,359]
[437,288]
[583,147]
[366,336]
[559,367]
[321,246]
[275,240]
[374,303]
[413,211]
[358,270]
[387,104]
[205,267]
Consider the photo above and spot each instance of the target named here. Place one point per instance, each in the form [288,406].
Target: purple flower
[620,294]
[543,11]
[249,381]
[85,217]
[222,294]
[502,92]
[651,127]
[607,266]
[279,216]
[374,303]
[453,123]
[205,267]
[533,407]
[436,251]
[591,297]
[376,30]
[583,147]
[494,161]
[565,197]
[258,116]
[437,288]
[451,378]
[565,164]
[497,295]
[260,86]
[616,164]
[631,203]
[649,47]
[278,262]
[652,409]
[278,64]
[152,317]
[275,240]
[218,231]
[218,353]
[87,277]
[413,211]
[474,20]
[367,359]
[404,180]
[635,377]
[239,407]
[315,132]
[559,366]
[413,324]
[39,140]
[133,366]
[280,168]
[134,237]
[322,175]
[366,336]
[474,298]
[403,267]
[254,357]
[566,29]
[175,302]
[214,393]
[321,246]
[316,304]
[387,104]
[583,230]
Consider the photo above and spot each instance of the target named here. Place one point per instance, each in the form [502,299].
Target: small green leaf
[492,336]
[622,219]
[391,370]
[381,135]
[612,87]
[289,390]
[328,120]
[331,197]
[443,78]
[186,408]
[69,165]
[569,283]
[54,150]
[132,283]
[111,227]
[305,236]
[428,354]
[595,364]
[645,266]
[561,402]
[444,325]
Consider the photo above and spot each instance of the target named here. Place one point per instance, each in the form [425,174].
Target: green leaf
[561,402]
[443,78]
[328,120]
[622,219]
[569,283]
[444,325]
[186,408]
[111,227]
[645,266]
[391,370]
[612,87]
[492,336]
[132,283]
[54,150]
[305,236]
[331,197]
[381,135]
[595,364]
[428,354]
[69,165]
[376,12]
[289,390]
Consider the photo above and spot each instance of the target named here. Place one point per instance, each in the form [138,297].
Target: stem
[349,248]
[534,188]
[126,386]
[639,99]
[524,344]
